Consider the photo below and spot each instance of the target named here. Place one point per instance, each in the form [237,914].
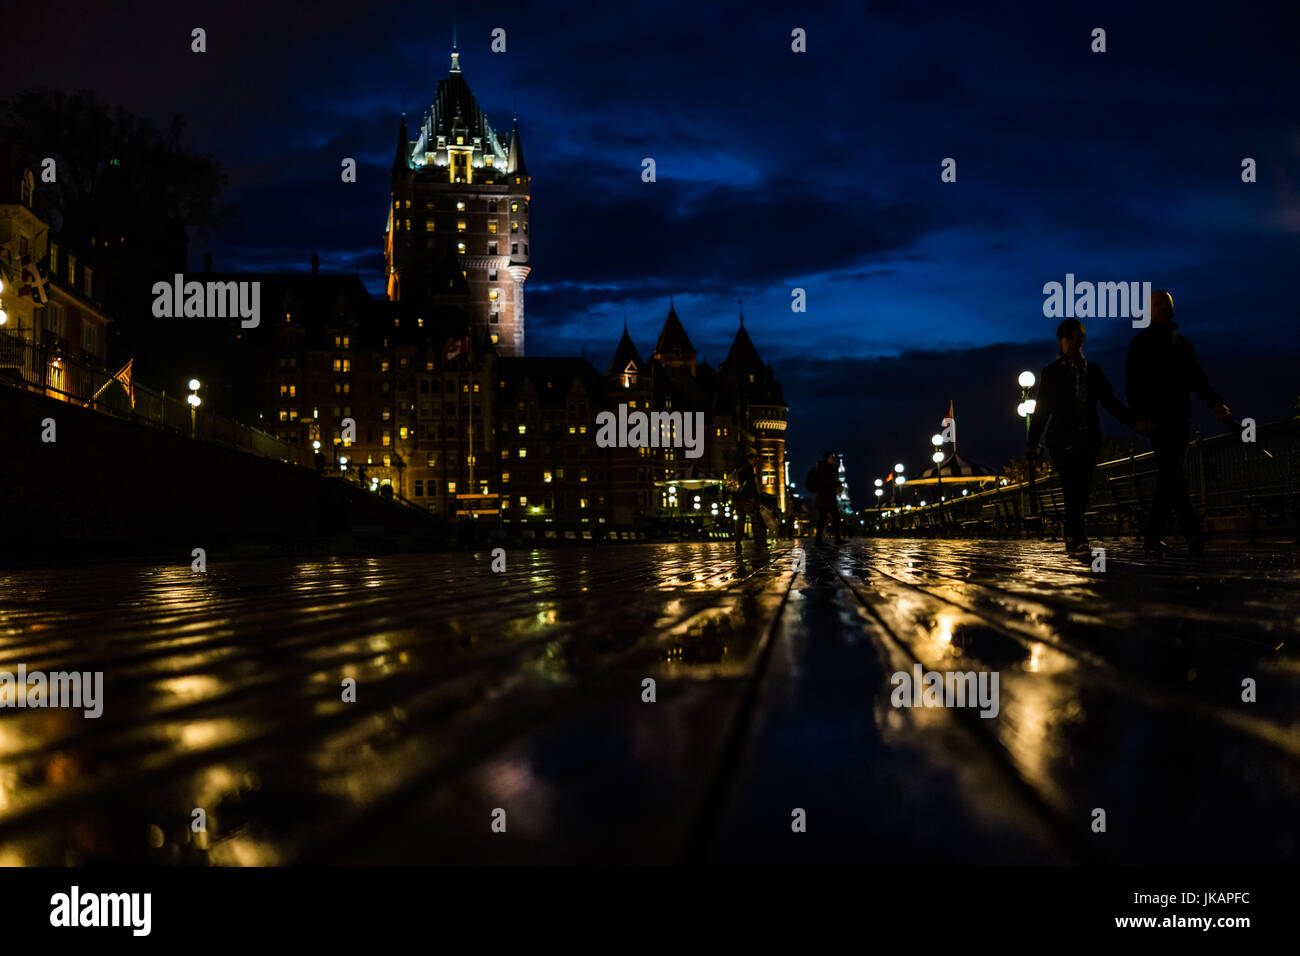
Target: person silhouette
[1068,393]
[1162,368]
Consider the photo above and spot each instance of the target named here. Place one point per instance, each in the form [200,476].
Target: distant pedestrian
[1162,369]
[745,501]
[824,482]
[1068,392]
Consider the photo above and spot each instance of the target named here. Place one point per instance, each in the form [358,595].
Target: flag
[34,281]
[456,348]
[124,376]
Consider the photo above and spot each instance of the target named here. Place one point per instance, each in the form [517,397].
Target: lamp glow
[1027,380]
[936,440]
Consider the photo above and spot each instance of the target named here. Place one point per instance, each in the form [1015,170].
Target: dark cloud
[774,170]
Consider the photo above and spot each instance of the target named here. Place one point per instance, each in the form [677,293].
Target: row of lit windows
[460,205]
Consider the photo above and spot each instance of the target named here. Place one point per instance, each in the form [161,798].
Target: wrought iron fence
[53,368]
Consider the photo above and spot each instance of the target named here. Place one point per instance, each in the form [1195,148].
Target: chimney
[207,262]
[315,264]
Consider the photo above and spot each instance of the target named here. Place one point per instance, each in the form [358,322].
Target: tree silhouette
[125,196]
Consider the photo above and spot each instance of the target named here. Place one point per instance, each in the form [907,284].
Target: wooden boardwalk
[522,691]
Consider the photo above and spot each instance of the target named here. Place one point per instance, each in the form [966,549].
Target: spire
[516,164]
[673,340]
[455,54]
[402,159]
[741,303]
[624,354]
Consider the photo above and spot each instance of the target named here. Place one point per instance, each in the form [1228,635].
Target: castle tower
[462,188]
[750,391]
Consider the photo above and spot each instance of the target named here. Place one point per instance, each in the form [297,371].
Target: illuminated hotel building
[460,188]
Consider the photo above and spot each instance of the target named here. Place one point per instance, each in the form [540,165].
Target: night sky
[777,170]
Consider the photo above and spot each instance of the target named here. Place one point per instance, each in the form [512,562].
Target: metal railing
[1242,484]
[55,369]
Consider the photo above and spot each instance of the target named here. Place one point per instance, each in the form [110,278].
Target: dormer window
[629,375]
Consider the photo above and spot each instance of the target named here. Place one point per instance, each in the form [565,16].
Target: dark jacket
[748,479]
[1071,420]
[1162,367]
[828,484]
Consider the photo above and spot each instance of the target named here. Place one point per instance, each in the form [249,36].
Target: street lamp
[1027,405]
[194,402]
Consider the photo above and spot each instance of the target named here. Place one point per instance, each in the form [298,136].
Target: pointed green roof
[516,164]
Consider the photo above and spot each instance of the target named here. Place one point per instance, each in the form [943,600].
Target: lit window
[460,247]
[487,161]
[388,439]
[523,500]
[546,477]
[401,432]
[523,453]
[514,226]
[383,366]
[514,207]
[460,206]
[451,487]
[428,225]
[523,429]
[492,227]
[461,225]
[505,476]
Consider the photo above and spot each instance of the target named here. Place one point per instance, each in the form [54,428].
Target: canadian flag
[456,348]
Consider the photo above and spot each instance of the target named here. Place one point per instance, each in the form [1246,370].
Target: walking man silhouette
[1162,368]
[1068,392]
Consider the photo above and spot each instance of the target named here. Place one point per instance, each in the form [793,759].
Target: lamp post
[194,403]
[937,441]
[1027,405]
